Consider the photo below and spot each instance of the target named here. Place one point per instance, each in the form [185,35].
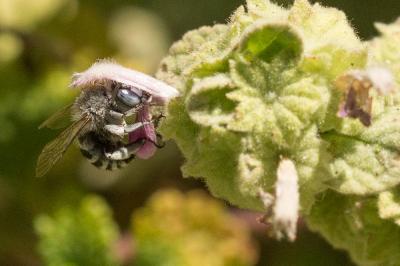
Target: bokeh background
[42,43]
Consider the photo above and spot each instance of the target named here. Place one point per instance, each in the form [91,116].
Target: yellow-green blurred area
[42,43]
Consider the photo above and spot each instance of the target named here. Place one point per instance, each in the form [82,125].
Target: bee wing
[59,119]
[104,69]
[55,149]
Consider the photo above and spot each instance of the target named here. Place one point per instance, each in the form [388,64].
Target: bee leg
[121,130]
[115,123]
[114,117]
[135,126]
[159,143]
[115,130]
[126,151]
[133,111]
[132,127]
[158,119]
[147,99]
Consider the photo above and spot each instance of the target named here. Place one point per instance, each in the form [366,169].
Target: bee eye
[128,97]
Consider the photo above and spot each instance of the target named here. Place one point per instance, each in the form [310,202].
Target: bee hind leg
[159,143]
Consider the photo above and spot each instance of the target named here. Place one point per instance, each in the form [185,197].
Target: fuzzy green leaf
[263,87]
[256,89]
[389,205]
[353,223]
[361,168]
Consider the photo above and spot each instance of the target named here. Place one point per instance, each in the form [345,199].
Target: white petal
[382,79]
[107,70]
[286,209]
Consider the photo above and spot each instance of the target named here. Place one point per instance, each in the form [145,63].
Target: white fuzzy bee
[109,94]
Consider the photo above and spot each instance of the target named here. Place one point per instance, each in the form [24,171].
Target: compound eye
[128,97]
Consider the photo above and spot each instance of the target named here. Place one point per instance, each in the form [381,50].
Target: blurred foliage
[192,229]
[42,43]
[171,229]
[78,236]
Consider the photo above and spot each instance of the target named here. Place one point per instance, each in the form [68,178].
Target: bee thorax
[93,102]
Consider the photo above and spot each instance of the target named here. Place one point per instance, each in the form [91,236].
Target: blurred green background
[42,43]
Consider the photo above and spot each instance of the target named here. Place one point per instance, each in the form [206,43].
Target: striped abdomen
[102,162]
[94,147]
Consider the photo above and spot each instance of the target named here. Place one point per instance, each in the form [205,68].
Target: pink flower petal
[147,132]
[342,111]
[108,70]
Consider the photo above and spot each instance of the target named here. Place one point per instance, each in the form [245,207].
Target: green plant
[295,84]
[189,229]
[78,236]
[171,229]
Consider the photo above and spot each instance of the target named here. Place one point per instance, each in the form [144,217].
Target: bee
[110,94]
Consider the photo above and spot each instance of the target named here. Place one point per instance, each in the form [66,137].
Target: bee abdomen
[93,147]
[98,159]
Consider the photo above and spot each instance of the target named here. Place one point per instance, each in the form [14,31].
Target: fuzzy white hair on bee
[107,70]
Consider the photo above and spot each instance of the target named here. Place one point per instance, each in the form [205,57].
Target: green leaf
[253,90]
[353,224]
[389,205]
[261,88]
[266,41]
[361,168]
[207,104]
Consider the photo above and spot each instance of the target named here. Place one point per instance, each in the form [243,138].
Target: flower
[147,132]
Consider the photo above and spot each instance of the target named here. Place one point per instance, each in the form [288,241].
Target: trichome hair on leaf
[269,84]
